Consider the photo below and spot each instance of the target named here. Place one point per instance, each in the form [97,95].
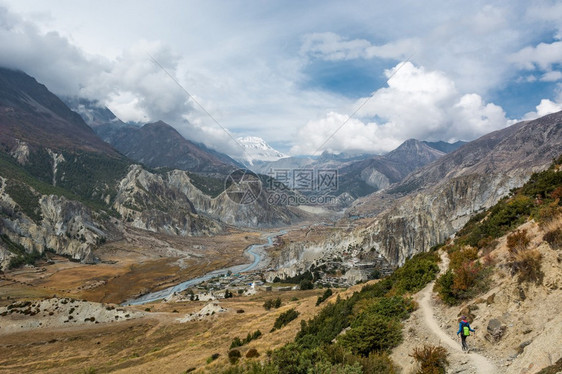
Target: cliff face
[149,201]
[434,202]
[67,228]
[141,193]
[461,184]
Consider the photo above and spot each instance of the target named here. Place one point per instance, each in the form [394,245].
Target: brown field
[156,343]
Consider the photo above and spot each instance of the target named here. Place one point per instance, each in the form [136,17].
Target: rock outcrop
[67,228]
[142,193]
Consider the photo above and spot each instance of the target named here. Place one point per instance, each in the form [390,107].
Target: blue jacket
[464,323]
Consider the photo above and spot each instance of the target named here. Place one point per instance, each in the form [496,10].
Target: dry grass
[157,343]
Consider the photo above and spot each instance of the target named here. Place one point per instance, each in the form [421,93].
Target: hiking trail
[483,365]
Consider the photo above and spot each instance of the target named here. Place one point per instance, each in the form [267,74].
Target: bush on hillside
[554,238]
[272,303]
[324,296]
[518,241]
[284,319]
[526,265]
[306,284]
[252,353]
[371,333]
[415,274]
[432,359]
[233,356]
[213,357]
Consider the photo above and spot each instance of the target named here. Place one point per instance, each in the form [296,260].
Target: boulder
[495,330]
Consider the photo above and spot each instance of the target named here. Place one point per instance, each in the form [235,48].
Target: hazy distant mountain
[160,145]
[378,172]
[446,147]
[155,144]
[257,149]
[360,175]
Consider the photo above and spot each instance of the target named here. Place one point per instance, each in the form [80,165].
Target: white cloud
[243,63]
[551,76]
[545,107]
[542,56]
[417,104]
[63,67]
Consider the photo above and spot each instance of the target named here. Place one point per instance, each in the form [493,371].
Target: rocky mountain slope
[512,334]
[160,145]
[30,113]
[381,171]
[434,202]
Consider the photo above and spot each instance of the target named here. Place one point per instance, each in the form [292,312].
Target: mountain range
[64,189]
[432,203]
[63,180]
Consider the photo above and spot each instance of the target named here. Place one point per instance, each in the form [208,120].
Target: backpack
[465,330]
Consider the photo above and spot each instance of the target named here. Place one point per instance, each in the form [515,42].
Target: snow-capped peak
[256,149]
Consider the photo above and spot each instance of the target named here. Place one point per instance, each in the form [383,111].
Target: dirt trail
[483,365]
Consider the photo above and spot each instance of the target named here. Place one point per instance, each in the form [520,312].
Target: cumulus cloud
[417,103]
[139,89]
[546,106]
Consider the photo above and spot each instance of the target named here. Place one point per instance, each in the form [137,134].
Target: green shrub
[284,318]
[272,303]
[392,307]
[415,274]
[432,359]
[236,342]
[239,343]
[324,296]
[444,287]
[370,333]
[233,356]
[377,363]
[306,284]
[212,358]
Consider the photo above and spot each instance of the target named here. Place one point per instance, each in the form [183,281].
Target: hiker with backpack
[464,331]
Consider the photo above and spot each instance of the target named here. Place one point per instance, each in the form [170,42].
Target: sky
[306,76]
